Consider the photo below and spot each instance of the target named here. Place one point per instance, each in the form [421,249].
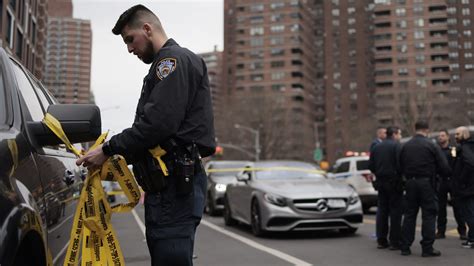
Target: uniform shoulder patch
[165,67]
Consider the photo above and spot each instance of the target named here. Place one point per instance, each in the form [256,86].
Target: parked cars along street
[354,171]
[290,196]
[38,176]
[219,174]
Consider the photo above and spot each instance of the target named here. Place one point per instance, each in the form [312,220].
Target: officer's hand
[93,158]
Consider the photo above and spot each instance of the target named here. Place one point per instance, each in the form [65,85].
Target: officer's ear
[148,29]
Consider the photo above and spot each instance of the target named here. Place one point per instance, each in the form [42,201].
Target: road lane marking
[55,260]
[139,222]
[249,242]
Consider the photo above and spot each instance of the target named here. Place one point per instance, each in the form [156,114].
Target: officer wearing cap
[174,113]
[421,161]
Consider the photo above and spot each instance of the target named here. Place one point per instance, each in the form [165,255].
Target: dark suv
[39,180]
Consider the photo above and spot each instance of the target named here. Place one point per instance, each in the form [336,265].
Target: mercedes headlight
[275,199]
[353,198]
[220,187]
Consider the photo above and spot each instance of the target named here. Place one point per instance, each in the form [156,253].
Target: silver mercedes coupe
[290,196]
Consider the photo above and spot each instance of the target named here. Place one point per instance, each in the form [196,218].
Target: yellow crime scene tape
[92,224]
[277,168]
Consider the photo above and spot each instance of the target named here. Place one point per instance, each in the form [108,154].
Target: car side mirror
[80,122]
[243,177]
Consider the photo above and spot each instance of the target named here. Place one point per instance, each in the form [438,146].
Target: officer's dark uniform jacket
[421,158]
[177,105]
[464,170]
[384,160]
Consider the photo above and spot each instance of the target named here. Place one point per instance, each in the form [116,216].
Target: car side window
[3,103]
[28,93]
[343,167]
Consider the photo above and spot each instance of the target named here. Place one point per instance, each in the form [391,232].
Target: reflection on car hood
[305,188]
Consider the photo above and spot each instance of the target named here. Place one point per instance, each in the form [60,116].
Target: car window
[41,94]
[28,93]
[362,165]
[3,103]
[344,167]
[282,173]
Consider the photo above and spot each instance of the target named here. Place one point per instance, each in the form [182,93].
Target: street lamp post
[257,138]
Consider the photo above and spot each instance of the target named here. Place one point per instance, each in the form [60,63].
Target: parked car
[355,172]
[217,179]
[290,196]
[38,176]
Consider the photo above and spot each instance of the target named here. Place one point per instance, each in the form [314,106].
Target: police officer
[445,187]
[464,180]
[381,135]
[420,162]
[384,164]
[174,111]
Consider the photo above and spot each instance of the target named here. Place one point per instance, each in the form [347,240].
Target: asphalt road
[219,245]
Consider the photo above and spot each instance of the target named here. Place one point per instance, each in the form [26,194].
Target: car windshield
[288,173]
[222,170]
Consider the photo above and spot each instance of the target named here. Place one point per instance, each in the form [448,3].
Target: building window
[277,51]
[401,12]
[256,31]
[256,19]
[256,42]
[256,77]
[467,45]
[256,65]
[19,44]
[277,5]
[401,24]
[419,22]
[10,23]
[256,8]
[278,75]
[278,87]
[420,58]
[277,17]
[276,64]
[418,34]
[278,40]
[466,11]
[277,28]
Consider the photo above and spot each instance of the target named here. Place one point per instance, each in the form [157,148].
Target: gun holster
[149,174]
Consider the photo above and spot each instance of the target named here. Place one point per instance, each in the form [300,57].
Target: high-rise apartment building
[69,49]
[270,76]
[22,32]
[422,48]
[213,62]
[348,74]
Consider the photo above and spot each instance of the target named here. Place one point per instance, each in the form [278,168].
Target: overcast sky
[117,76]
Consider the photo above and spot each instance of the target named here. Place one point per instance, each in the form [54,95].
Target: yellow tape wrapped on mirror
[92,226]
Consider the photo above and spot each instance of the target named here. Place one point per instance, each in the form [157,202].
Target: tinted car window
[28,93]
[3,103]
[362,165]
[344,167]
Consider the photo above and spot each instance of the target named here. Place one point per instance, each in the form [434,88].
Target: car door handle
[68,177]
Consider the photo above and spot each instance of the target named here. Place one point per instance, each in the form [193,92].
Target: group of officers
[419,174]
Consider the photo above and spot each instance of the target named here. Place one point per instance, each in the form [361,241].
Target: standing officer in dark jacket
[381,135]
[464,180]
[420,162]
[384,164]
[174,111]
[446,187]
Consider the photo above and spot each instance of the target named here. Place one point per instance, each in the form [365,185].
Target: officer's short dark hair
[445,131]
[391,130]
[422,125]
[132,18]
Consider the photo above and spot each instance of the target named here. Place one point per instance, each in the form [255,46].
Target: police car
[354,171]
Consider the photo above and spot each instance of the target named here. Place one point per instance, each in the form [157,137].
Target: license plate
[336,203]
